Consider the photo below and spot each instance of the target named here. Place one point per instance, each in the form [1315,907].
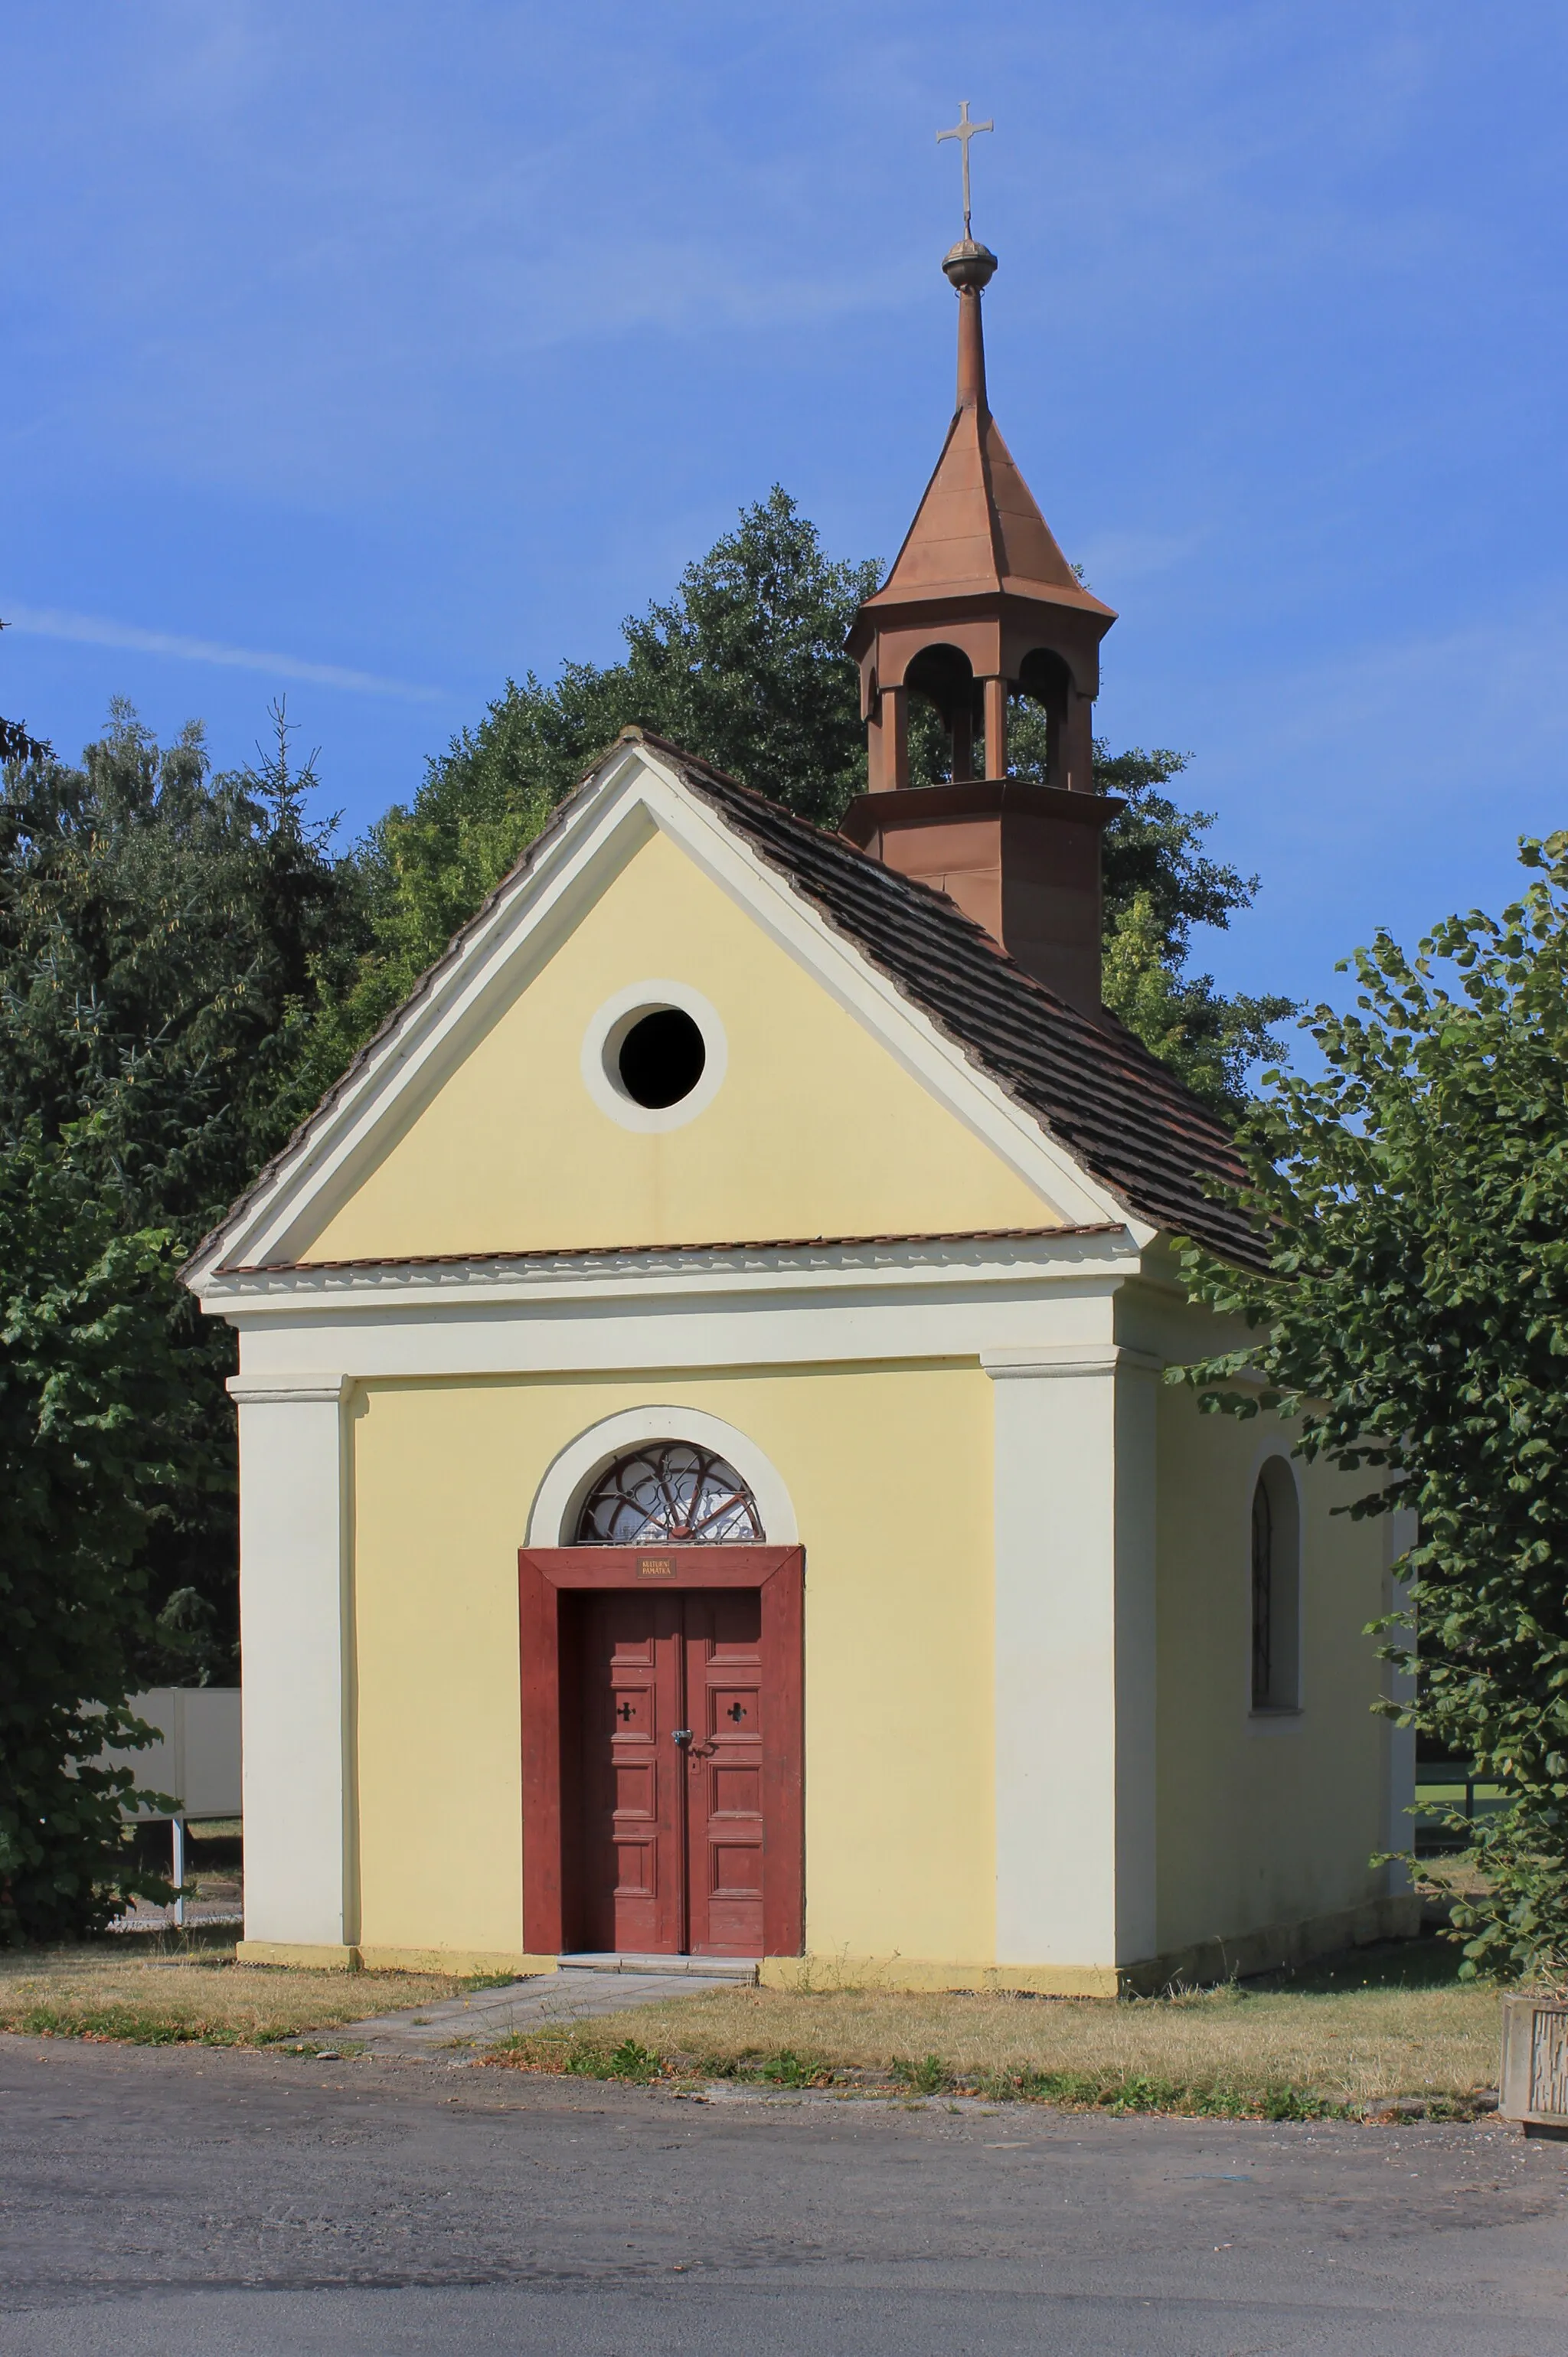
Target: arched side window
[671,1493]
[1277,1589]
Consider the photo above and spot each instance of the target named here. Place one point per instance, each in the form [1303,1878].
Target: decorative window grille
[671,1494]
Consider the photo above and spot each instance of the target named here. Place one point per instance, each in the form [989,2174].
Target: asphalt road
[235,2205]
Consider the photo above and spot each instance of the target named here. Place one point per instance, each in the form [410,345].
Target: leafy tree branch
[1415,1189]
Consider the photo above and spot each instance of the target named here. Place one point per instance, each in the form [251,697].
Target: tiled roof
[1089,1083]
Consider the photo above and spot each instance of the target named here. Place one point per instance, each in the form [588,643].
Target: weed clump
[1118,2093]
[1122,2093]
[929,2076]
[130,2025]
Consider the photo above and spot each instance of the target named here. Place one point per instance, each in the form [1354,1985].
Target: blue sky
[373,351]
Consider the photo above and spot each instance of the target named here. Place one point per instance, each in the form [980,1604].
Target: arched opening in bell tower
[950,715]
[1041,703]
[941,679]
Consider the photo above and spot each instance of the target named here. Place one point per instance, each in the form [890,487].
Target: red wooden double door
[662,1787]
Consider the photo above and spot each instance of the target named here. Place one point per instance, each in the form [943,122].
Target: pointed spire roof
[978,530]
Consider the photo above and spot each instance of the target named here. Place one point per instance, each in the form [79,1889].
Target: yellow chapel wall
[1272,1821]
[889,1469]
[817,1130]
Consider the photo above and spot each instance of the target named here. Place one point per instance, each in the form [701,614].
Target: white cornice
[628,1277]
[1038,1363]
[304,1390]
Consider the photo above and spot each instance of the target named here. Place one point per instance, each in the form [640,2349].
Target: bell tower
[981,606]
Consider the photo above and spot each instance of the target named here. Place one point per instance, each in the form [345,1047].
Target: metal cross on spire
[965,130]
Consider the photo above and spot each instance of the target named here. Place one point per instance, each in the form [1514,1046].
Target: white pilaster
[295,1655]
[1400,1531]
[1075,1654]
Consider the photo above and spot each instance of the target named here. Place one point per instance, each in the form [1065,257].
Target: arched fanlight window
[1276,1590]
[670,1495]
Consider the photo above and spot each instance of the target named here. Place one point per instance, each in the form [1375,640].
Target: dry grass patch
[1390,2024]
[198,1996]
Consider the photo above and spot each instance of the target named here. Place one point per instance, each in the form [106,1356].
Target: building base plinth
[1264,1949]
[1273,1945]
[920,1975]
[464,1964]
[455,1963]
[303,1956]
[1267,1949]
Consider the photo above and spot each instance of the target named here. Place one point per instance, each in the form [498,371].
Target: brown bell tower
[980,604]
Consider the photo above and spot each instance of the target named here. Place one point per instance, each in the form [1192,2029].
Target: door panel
[724,1777]
[629,1879]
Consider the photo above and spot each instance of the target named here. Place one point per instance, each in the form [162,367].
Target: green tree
[1415,1193]
[745,666]
[1160,885]
[165,936]
[15,745]
[95,1438]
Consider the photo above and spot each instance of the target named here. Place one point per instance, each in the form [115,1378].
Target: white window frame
[607,1032]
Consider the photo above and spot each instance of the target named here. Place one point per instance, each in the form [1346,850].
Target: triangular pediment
[485,1118]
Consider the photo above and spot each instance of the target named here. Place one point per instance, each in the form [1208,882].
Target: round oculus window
[654,1056]
[660,1057]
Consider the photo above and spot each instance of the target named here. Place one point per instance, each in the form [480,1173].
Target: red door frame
[780,1573]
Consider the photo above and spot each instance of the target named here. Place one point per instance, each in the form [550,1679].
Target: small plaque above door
[656,1567]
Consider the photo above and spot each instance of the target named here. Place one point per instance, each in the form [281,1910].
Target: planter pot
[1533,2088]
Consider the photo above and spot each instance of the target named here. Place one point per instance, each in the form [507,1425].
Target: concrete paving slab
[545,2001]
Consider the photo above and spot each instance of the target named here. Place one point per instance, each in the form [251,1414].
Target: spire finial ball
[969,264]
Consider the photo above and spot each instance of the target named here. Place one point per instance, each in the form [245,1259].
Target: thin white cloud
[94,630]
[1134,555]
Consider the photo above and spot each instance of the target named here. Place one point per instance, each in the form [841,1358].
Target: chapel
[709,1484]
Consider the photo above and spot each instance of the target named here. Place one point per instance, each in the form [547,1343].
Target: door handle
[680,1735]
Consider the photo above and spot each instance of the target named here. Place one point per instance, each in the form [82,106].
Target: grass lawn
[151,1992]
[1383,2023]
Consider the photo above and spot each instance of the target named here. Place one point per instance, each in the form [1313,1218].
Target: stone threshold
[707,1968]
